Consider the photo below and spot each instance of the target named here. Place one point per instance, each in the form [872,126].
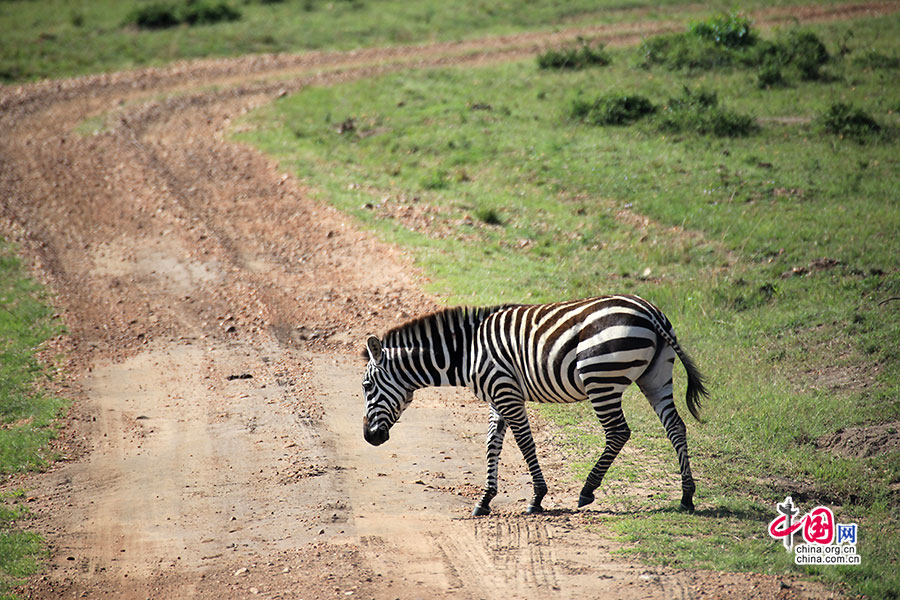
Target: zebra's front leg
[496,431]
[522,432]
[617,433]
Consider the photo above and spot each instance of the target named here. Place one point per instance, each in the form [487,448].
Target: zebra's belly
[555,394]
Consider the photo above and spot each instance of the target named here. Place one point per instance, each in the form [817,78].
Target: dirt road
[214,316]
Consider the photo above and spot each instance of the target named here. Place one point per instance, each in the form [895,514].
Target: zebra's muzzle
[377,435]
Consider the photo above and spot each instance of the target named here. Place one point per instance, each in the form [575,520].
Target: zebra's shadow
[706,512]
[709,512]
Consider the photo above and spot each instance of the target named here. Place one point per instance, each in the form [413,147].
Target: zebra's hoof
[480,511]
[534,509]
[585,499]
[688,508]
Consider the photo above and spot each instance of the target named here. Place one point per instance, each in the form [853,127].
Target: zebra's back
[559,352]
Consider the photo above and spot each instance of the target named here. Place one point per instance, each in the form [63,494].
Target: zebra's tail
[695,387]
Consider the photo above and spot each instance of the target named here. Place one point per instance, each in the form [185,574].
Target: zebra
[564,352]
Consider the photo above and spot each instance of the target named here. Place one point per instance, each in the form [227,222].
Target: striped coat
[589,349]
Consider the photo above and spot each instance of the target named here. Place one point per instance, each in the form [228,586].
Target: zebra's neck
[436,349]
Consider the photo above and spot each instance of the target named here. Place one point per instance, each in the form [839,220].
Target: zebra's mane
[460,316]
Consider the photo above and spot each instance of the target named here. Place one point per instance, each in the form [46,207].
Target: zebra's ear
[376,350]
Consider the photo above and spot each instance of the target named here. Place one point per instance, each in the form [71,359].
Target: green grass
[60,38]
[573,57]
[26,413]
[727,235]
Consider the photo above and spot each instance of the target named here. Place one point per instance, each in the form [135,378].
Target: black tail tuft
[695,387]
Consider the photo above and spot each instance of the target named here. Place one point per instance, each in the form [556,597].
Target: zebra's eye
[368,386]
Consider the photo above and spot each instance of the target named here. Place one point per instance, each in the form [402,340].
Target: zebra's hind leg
[656,385]
[609,410]
[496,431]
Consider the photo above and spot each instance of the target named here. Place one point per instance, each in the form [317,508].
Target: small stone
[243,571]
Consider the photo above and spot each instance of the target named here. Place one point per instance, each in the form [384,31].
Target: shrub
[157,15]
[201,12]
[574,57]
[727,41]
[700,112]
[807,53]
[770,76]
[730,31]
[612,109]
[876,60]
[489,216]
[847,120]
[680,51]
[160,15]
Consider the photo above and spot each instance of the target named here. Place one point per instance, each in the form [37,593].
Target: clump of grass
[576,57]
[26,414]
[201,12]
[847,120]
[770,75]
[700,112]
[489,216]
[876,60]
[715,43]
[679,51]
[799,51]
[157,15]
[729,41]
[162,15]
[438,179]
[612,109]
[731,30]
[806,53]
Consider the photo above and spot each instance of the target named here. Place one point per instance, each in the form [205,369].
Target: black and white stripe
[563,352]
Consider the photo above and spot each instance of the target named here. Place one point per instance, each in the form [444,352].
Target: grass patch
[694,111]
[771,253]
[847,120]
[700,112]
[26,413]
[876,60]
[56,38]
[729,30]
[575,57]
[729,41]
[612,109]
[161,15]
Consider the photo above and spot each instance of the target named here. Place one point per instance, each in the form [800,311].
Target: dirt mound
[862,442]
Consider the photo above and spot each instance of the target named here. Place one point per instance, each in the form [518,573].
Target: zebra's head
[386,397]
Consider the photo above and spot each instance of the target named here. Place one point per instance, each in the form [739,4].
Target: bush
[700,112]
[157,15]
[727,41]
[807,53]
[680,51]
[489,216]
[207,13]
[574,57]
[770,76]
[847,120]
[876,60]
[612,109]
[161,15]
[730,31]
